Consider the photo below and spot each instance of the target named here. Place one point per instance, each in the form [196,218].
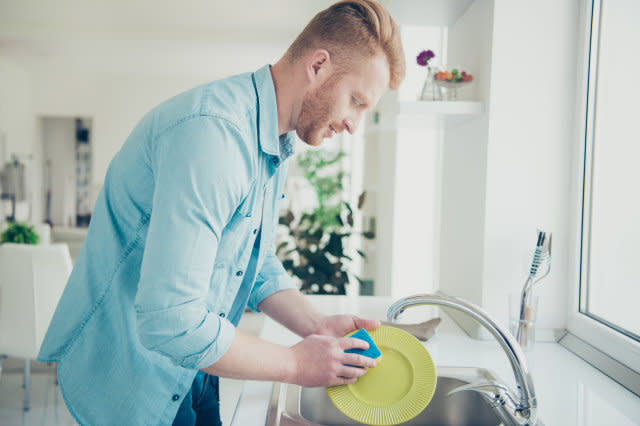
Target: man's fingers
[351,372]
[359,360]
[353,343]
[344,381]
[366,323]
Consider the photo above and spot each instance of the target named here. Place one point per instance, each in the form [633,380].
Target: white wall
[18,130]
[464,166]
[378,179]
[462,213]
[414,40]
[416,211]
[402,169]
[526,140]
[14,103]
[469,47]
[113,82]
[114,102]
[510,172]
[117,85]
[529,164]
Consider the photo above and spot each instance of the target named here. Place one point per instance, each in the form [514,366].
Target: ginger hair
[353,30]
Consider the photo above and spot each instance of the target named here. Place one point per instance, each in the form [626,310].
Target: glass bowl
[449,89]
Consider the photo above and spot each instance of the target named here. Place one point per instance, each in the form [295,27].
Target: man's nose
[351,124]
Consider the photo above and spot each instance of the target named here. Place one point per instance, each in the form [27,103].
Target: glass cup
[523,329]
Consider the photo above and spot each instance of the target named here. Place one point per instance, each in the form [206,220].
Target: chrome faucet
[515,408]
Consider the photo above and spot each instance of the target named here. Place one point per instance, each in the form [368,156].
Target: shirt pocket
[235,237]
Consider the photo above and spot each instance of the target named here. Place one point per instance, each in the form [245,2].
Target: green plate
[397,389]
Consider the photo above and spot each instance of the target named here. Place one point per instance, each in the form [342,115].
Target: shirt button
[239,274]
[222,315]
[175,397]
[276,160]
[255,230]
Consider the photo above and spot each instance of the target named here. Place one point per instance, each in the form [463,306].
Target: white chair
[32,278]
[44,232]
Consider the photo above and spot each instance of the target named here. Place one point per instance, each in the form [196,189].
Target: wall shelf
[441,107]
[428,114]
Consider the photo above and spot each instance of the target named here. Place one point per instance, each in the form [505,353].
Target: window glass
[610,280]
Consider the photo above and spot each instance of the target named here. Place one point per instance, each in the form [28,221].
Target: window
[610,279]
[608,301]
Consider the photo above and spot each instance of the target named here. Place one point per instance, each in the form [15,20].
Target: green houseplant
[314,251]
[19,233]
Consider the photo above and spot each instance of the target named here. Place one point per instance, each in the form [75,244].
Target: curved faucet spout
[526,406]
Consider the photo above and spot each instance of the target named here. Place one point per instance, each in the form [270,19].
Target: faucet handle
[492,390]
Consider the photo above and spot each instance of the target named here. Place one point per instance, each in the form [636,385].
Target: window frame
[605,337]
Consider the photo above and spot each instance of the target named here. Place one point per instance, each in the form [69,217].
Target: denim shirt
[181,240]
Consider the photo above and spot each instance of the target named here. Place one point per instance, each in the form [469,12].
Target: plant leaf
[361,199]
[348,207]
[281,246]
[334,246]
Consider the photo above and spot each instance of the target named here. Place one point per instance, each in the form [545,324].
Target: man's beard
[315,112]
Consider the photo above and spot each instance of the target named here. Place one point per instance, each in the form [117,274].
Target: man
[182,236]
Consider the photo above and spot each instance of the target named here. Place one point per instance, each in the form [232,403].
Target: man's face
[338,104]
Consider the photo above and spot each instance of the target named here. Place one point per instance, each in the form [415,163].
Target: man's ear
[318,67]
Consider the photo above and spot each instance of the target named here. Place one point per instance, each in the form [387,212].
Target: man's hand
[321,361]
[291,309]
[339,325]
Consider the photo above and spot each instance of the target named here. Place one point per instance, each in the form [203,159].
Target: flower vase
[430,91]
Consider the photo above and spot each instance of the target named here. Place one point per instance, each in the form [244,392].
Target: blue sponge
[372,352]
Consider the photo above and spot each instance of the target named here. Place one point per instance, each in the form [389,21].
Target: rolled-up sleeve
[200,175]
[271,279]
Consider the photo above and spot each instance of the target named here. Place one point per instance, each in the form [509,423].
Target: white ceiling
[154,35]
[210,19]
[162,35]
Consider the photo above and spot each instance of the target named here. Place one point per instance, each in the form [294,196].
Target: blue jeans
[201,406]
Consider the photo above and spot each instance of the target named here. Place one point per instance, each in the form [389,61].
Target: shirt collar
[270,142]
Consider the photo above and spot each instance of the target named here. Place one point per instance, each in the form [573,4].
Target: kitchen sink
[295,405]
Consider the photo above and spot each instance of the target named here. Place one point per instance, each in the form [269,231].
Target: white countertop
[569,391]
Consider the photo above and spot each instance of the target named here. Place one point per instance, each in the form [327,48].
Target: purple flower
[424,57]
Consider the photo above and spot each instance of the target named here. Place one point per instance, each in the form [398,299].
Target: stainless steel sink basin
[293,405]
